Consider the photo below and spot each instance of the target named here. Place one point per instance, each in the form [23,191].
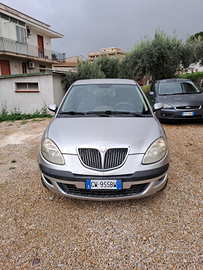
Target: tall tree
[195,44]
[160,57]
[109,66]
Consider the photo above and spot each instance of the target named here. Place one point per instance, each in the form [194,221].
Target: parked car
[181,98]
[104,143]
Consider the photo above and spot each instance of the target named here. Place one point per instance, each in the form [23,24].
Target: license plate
[187,113]
[103,184]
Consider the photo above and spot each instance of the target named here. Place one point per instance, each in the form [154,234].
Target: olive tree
[160,57]
[83,70]
[193,50]
[109,66]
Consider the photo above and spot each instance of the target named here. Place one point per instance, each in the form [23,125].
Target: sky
[90,25]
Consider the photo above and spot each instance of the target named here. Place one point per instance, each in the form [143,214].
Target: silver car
[104,143]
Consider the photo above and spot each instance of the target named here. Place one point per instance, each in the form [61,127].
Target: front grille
[73,190]
[90,157]
[187,107]
[112,158]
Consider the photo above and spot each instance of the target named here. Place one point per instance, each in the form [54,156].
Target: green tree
[54,57]
[196,36]
[133,65]
[195,44]
[84,70]
[160,57]
[110,66]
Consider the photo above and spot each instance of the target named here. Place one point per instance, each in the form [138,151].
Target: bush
[17,115]
[191,76]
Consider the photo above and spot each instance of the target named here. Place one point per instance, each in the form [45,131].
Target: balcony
[12,46]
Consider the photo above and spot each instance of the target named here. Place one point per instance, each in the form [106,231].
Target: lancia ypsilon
[104,143]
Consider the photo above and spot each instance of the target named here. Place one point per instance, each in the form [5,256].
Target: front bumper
[176,115]
[136,185]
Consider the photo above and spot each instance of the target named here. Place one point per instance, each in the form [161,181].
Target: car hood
[137,133]
[182,99]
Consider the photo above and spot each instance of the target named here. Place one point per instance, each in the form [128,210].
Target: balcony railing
[8,45]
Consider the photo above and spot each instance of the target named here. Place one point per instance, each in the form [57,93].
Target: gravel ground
[40,230]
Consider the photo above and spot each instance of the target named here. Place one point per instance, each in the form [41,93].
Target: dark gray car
[104,143]
[181,98]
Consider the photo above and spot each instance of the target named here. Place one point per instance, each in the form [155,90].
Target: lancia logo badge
[102,149]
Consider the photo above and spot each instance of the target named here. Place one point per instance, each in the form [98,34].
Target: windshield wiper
[109,113]
[99,113]
[103,113]
[73,113]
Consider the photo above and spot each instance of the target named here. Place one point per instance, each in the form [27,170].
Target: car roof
[172,80]
[104,81]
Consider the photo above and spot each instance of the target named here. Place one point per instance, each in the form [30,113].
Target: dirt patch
[19,132]
[41,230]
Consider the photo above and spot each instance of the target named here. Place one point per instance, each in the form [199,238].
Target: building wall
[32,40]
[8,31]
[25,51]
[16,65]
[50,90]
[59,90]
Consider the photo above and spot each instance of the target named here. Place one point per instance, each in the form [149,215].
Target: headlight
[155,152]
[51,152]
[167,106]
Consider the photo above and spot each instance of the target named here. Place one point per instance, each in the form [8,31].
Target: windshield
[175,88]
[108,98]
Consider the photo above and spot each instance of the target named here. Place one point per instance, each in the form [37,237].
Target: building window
[21,34]
[21,23]
[4,16]
[27,87]
[11,19]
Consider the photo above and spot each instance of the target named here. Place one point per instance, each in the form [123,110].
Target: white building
[25,55]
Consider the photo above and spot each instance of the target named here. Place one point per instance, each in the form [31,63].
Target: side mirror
[53,108]
[157,106]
